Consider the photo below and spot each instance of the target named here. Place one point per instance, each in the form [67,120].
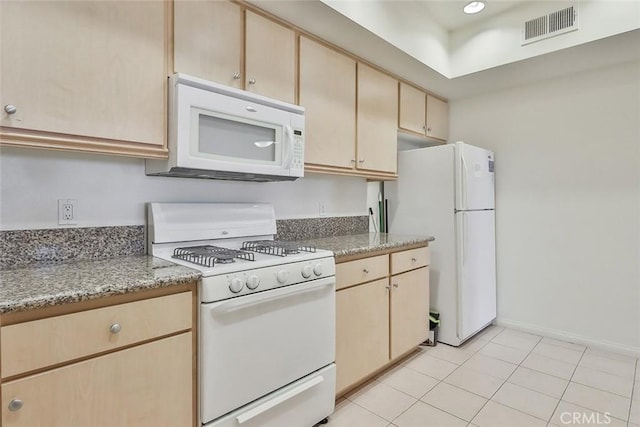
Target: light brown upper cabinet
[328,94]
[437,118]
[84,75]
[413,109]
[270,58]
[208,41]
[422,114]
[377,119]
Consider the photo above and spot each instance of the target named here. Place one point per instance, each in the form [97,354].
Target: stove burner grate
[278,248]
[208,255]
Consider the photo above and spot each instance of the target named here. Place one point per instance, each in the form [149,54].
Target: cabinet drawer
[408,260]
[362,270]
[40,343]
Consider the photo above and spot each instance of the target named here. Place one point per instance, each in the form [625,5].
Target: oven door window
[231,138]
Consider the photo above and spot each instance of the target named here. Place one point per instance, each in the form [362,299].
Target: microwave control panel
[297,157]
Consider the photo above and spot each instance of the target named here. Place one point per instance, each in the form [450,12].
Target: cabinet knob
[365,271]
[424,127]
[353,160]
[236,76]
[10,109]
[361,161]
[428,129]
[115,328]
[15,405]
[413,260]
[252,81]
[388,288]
[395,285]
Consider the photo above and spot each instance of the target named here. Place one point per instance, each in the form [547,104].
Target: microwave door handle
[288,133]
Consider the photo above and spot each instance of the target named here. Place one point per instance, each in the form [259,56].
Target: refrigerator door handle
[463,255]
[465,221]
[460,274]
[463,183]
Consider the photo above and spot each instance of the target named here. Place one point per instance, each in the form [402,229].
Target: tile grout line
[366,409]
[607,372]
[442,380]
[633,390]
[506,381]
[569,382]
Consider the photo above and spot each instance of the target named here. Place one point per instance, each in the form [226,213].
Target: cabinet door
[413,104]
[148,385]
[208,40]
[377,117]
[409,310]
[437,118]
[85,68]
[362,331]
[270,58]
[328,94]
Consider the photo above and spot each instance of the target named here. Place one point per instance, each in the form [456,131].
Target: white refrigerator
[448,192]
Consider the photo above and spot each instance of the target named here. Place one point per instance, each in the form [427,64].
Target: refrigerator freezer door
[474,178]
[476,271]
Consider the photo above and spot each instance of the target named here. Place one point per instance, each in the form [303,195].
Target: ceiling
[449,15]
[325,22]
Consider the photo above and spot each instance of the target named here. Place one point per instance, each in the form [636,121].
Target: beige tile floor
[501,378]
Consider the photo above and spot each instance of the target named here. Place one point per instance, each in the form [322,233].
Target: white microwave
[220,132]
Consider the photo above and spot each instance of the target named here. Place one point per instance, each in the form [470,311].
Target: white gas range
[266,344]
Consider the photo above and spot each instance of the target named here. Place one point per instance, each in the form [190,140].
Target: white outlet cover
[67,211]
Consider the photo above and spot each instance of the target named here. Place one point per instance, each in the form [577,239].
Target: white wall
[568,202]
[398,26]
[113,190]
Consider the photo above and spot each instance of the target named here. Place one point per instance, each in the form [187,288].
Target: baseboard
[567,336]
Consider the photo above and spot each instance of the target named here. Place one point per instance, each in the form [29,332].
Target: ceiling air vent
[553,24]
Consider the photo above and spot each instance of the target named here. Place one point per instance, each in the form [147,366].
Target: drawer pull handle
[395,285]
[413,259]
[115,328]
[365,271]
[15,405]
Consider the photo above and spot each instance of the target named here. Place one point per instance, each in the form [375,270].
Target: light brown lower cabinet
[379,321]
[146,385]
[362,331]
[124,363]
[409,313]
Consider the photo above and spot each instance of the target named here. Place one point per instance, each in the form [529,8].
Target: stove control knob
[235,285]
[317,270]
[253,281]
[282,276]
[306,271]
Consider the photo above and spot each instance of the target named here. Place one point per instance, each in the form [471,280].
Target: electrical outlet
[322,209]
[67,211]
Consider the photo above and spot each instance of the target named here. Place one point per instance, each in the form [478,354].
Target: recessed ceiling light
[473,7]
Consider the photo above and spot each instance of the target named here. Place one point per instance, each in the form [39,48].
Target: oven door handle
[252,413]
[261,297]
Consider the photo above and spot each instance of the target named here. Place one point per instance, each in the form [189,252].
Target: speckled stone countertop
[29,288]
[357,244]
